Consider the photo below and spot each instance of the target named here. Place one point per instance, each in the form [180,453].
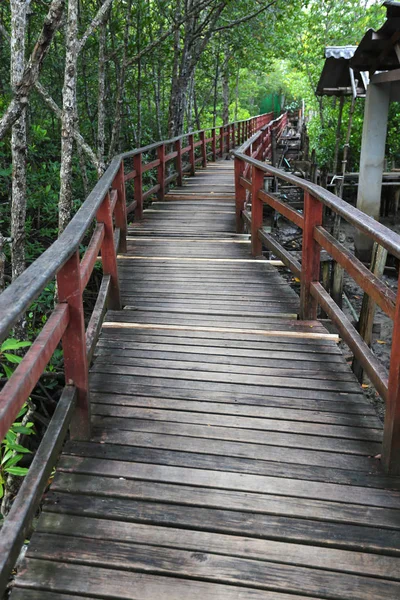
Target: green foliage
[11,452]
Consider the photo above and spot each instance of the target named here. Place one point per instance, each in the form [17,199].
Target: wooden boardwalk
[232,448]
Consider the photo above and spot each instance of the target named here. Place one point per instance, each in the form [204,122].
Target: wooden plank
[238,421]
[212,567]
[272,333]
[70,578]
[125,505]
[201,541]
[234,456]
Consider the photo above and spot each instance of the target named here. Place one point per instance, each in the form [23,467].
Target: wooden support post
[69,289]
[120,208]
[203,149]
[310,257]
[192,154]
[161,172]
[391,432]
[233,135]
[221,141]
[138,185]
[366,322]
[178,162]
[240,194]
[228,138]
[214,144]
[257,183]
[108,255]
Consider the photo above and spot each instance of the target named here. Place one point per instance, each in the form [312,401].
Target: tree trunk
[101,107]
[18,140]
[68,116]
[225,89]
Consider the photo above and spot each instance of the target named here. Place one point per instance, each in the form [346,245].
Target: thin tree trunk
[18,140]
[101,107]
[236,96]
[68,117]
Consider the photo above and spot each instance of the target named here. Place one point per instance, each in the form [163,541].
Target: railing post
[228,137]
[192,154]
[120,208]
[391,431]
[233,135]
[69,290]
[240,194]
[239,133]
[108,255]
[257,182]
[178,163]
[214,144]
[310,258]
[138,185]
[221,141]
[161,172]
[203,148]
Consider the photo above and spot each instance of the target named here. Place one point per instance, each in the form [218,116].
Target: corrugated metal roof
[346,52]
[335,77]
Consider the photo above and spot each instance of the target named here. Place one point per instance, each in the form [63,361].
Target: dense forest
[82,81]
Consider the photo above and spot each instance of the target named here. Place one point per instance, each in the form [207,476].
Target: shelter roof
[336,78]
[377,49]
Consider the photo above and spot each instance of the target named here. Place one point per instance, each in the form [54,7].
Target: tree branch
[32,70]
[98,19]
[80,140]
[245,18]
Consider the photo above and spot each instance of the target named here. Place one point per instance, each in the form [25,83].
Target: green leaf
[19,448]
[13,461]
[12,344]
[7,455]
[7,371]
[12,358]
[22,429]
[1,490]
[19,471]
[10,436]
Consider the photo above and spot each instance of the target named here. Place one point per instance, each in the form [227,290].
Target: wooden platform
[232,449]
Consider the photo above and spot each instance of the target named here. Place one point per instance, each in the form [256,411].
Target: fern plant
[11,452]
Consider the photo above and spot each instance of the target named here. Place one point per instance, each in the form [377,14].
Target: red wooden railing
[249,178]
[106,209]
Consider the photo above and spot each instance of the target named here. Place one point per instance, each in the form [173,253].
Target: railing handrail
[18,296]
[249,181]
[368,225]
[248,143]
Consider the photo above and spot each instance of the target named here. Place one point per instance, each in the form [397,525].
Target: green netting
[271,103]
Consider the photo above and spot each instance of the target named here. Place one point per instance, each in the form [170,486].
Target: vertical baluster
[203,148]
[240,194]
[178,161]
[391,432]
[233,135]
[108,255]
[257,182]
[69,290]
[221,141]
[161,172]
[310,257]
[192,155]
[138,185]
[120,208]
[214,144]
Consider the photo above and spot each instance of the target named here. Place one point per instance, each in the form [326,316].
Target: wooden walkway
[232,449]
